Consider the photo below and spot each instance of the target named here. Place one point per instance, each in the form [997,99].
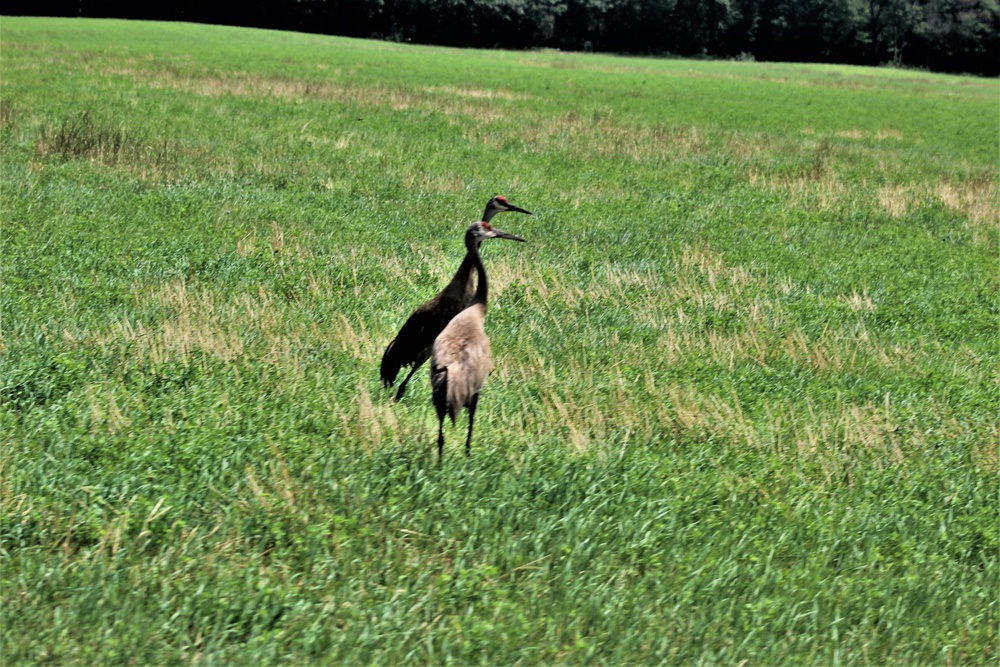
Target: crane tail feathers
[390,366]
[439,392]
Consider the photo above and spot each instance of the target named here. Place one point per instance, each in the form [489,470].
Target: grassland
[745,399]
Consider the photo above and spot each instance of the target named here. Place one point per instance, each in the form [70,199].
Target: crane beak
[517,209]
[504,235]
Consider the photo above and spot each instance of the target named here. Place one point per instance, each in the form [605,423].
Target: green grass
[744,404]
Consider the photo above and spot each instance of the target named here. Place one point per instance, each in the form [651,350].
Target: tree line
[939,35]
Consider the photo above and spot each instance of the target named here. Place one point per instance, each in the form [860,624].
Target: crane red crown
[501,198]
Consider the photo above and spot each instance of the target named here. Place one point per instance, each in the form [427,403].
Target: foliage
[941,35]
[744,402]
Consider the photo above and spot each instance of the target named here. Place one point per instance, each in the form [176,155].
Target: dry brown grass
[976,199]
[588,402]
[483,107]
[858,302]
[105,410]
[896,200]
[480,105]
[436,182]
[889,133]
[986,453]
[476,93]
[245,85]
[702,281]
[273,241]
[587,405]
[850,134]
[253,324]
[197,321]
[822,190]
[8,114]
[600,134]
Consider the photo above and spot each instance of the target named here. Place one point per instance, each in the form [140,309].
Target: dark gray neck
[482,287]
[464,269]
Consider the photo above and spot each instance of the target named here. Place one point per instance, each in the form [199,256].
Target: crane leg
[472,415]
[402,386]
[440,439]
[417,363]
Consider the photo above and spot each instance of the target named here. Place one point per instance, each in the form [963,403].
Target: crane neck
[482,286]
[464,272]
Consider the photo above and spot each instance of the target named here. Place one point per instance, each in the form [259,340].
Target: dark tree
[945,35]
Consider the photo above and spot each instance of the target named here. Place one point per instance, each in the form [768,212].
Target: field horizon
[744,399]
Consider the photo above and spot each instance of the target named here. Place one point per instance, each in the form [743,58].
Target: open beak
[504,235]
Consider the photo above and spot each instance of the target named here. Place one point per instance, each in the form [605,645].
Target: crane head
[499,204]
[479,231]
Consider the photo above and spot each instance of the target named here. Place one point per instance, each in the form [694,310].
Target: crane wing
[416,336]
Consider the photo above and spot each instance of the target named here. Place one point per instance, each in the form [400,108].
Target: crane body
[460,356]
[412,345]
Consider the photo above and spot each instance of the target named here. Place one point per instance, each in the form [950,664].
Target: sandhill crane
[412,345]
[460,357]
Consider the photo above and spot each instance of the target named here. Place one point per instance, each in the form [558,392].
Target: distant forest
[939,35]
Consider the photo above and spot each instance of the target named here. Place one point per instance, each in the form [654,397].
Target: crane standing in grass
[460,358]
[412,345]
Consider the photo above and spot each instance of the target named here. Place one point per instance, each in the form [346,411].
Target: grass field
[744,407]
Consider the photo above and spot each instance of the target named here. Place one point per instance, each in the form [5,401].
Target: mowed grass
[744,406]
